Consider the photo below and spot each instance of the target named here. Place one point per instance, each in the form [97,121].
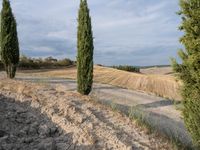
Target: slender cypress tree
[9,40]
[189,70]
[85,50]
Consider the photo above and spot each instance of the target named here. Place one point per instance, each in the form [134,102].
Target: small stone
[32,130]
[12,138]
[3,139]
[48,144]
[53,130]
[80,119]
[28,140]
[90,126]
[72,147]
[44,130]
[35,104]
[19,120]
[2,133]
[62,146]
[7,147]
[20,111]
[22,133]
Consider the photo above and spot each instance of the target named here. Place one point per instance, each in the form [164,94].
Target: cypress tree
[9,40]
[85,50]
[189,70]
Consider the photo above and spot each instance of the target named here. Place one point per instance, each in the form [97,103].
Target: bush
[127,68]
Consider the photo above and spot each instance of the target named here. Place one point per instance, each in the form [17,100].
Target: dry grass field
[152,80]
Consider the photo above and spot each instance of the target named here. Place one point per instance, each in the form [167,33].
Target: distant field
[158,70]
[153,83]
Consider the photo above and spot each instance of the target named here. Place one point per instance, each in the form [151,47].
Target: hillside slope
[160,85]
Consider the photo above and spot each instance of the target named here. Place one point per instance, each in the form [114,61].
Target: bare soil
[39,116]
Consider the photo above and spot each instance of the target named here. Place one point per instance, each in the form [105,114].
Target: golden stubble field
[158,81]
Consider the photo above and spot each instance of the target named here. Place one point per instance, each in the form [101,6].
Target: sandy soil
[38,116]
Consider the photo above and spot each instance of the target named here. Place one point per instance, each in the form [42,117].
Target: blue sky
[134,32]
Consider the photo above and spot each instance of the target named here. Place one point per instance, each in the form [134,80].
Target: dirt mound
[41,117]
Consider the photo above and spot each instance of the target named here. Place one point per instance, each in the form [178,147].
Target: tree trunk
[10,70]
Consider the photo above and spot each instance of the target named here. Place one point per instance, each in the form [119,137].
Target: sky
[126,32]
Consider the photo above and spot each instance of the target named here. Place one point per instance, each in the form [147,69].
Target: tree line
[188,71]
[41,63]
[127,68]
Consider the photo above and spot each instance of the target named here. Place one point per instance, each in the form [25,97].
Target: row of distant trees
[41,63]
[127,68]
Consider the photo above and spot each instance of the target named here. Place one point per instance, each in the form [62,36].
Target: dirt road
[161,114]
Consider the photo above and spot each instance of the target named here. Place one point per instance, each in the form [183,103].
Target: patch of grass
[113,106]
[178,105]
[139,117]
[43,81]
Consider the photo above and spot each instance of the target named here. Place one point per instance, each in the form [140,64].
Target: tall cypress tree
[85,50]
[9,40]
[189,70]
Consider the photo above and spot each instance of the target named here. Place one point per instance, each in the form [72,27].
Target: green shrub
[64,62]
[127,68]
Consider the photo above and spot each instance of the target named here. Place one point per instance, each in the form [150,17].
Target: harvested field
[38,116]
[160,85]
[158,71]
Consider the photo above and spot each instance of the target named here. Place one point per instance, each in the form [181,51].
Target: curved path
[161,114]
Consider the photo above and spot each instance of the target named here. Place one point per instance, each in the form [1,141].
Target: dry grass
[161,85]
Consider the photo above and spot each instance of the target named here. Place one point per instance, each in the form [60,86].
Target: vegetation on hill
[189,70]
[9,40]
[154,66]
[39,63]
[49,62]
[85,50]
[127,68]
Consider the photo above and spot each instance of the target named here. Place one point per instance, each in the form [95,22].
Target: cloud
[139,32]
